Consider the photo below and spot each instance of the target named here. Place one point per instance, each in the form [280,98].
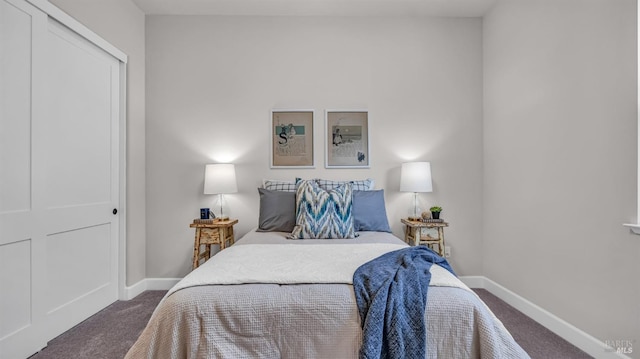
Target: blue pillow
[323,214]
[369,212]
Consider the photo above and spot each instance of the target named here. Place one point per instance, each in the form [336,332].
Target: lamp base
[415,218]
[222,218]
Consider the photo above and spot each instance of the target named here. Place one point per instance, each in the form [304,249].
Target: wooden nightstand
[208,234]
[417,232]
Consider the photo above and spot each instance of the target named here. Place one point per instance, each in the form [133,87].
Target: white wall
[560,159]
[122,24]
[211,82]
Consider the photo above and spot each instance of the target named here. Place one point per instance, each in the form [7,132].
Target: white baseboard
[563,329]
[149,284]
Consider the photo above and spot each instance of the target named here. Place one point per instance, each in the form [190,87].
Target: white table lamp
[220,179]
[416,177]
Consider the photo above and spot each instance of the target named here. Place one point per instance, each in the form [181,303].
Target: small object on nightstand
[206,221]
[435,212]
[204,213]
[431,220]
[211,232]
[417,232]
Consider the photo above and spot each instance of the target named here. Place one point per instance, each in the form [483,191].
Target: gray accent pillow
[277,211]
[369,213]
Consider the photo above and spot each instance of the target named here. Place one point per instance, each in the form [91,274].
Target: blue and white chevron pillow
[323,214]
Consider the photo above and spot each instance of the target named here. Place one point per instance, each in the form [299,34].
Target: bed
[269,296]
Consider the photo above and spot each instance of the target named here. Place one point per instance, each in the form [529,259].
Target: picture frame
[291,138]
[347,139]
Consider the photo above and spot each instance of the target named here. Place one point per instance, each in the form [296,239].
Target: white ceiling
[464,8]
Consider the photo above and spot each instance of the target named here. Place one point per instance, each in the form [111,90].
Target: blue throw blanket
[391,293]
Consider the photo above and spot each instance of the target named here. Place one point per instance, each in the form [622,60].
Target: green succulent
[436,209]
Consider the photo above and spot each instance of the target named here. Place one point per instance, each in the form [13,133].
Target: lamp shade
[220,178]
[416,177]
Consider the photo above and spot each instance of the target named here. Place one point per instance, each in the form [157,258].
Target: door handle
[115,211]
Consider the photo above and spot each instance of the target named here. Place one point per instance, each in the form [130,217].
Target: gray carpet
[538,341]
[106,335]
[111,332]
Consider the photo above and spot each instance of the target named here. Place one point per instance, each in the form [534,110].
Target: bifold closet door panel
[21,312]
[60,149]
[77,148]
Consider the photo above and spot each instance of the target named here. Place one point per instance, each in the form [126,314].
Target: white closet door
[59,178]
[21,317]
[76,148]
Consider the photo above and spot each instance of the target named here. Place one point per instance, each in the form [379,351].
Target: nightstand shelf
[209,234]
[417,233]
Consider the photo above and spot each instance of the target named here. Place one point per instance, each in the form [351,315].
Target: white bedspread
[296,264]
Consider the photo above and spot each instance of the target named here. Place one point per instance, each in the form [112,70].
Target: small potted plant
[435,212]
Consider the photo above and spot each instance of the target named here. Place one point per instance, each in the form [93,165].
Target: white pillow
[279,185]
[357,185]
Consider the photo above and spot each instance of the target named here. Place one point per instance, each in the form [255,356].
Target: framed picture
[292,139]
[347,139]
